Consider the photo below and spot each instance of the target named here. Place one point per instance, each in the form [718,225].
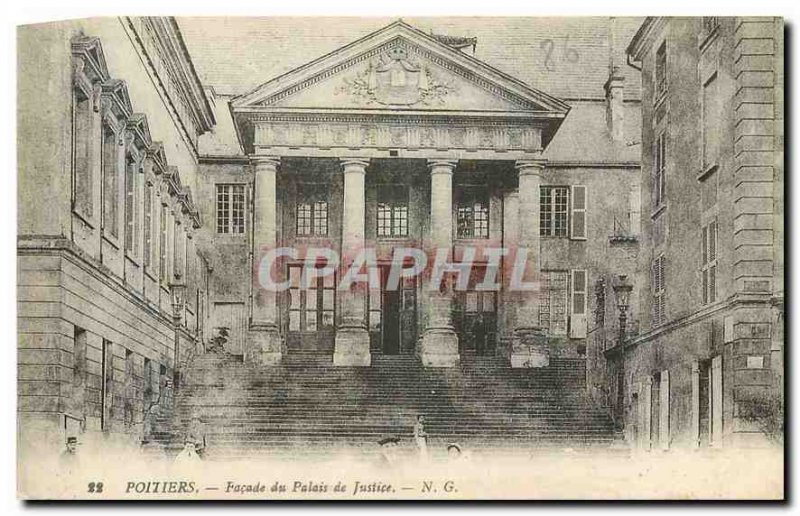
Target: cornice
[643,39]
[418,42]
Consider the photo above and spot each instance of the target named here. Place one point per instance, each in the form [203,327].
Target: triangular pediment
[399,68]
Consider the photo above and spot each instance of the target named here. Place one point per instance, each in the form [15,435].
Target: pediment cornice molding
[422,46]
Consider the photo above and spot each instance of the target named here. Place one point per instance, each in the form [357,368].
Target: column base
[439,348]
[351,348]
[264,346]
[529,349]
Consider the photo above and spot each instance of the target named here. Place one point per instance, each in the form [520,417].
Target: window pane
[384,220]
[712,284]
[294,320]
[327,299]
[471,304]
[327,318]
[237,209]
[294,276]
[560,204]
[321,218]
[311,320]
[110,182]
[553,302]
[294,298]
[464,221]
[481,214]
[304,219]
[546,211]
[82,143]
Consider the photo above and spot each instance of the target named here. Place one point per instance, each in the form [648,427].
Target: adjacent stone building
[706,368]
[112,291]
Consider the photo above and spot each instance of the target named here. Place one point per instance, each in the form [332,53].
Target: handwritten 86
[549,46]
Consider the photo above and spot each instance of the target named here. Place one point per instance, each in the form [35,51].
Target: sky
[565,57]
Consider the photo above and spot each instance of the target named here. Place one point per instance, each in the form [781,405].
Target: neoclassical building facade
[164,197]
[403,139]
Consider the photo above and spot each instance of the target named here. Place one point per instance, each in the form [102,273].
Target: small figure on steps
[197,435]
[388,451]
[187,460]
[421,437]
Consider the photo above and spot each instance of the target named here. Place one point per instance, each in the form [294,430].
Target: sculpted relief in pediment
[396,79]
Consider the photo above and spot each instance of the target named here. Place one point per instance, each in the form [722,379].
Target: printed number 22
[95,487]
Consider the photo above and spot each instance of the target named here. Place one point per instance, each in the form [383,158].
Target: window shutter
[662,289]
[578,219]
[663,418]
[577,327]
[648,414]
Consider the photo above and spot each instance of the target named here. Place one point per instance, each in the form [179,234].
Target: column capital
[442,166]
[528,167]
[265,162]
[354,164]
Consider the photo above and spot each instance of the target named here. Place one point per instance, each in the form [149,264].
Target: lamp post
[177,291]
[622,292]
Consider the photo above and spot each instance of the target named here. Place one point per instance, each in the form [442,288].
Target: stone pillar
[265,343]
[529,348]
[439,345]
[352,337]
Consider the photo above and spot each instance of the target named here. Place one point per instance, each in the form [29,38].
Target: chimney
[614,90]
[615,117]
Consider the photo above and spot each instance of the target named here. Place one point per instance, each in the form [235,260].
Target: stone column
[264,344]
[352,337]
[529,348]
[439,345]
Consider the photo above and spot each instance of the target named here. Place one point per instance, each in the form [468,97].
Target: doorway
[393,316]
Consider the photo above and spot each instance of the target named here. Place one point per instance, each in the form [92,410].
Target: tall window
[148,225]
[709,266]
[178,250]
[711,122]
[131,207]
[554,302]
[311,306]
[661,72]
[312,212]
[554,216]
[392,211]
[110,183]
[472,213]
[660,171]
[659,291]
[81,154]
[162,244]
[230,208]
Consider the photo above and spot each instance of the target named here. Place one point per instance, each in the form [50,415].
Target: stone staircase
[307,406]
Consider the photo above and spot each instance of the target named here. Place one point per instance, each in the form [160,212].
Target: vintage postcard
[424,258]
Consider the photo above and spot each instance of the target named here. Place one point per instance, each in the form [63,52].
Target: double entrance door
[476,322]
[393,316]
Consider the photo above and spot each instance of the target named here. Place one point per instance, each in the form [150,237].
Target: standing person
[69,459]
[388,451]
[421,437]
[479,331]
[197,435]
